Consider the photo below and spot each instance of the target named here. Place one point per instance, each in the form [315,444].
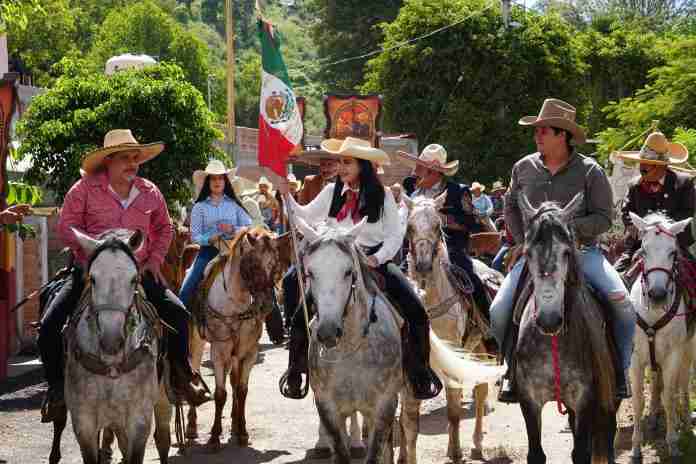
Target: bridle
[644,273]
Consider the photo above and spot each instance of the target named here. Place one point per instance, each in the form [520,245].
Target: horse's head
[551,257]
[264,257]
[112,279]
[659,252]
[332,265]
[424,231]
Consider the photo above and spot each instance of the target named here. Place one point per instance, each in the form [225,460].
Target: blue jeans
[195,273]
[499,259]
[601,276]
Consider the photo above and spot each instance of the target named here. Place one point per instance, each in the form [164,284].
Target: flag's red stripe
[274,148]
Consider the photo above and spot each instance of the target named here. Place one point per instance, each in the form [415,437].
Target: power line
[409,41]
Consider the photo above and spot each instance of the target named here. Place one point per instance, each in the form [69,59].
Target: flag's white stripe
[291,128]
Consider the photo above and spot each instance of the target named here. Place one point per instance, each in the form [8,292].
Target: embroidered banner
[353,116]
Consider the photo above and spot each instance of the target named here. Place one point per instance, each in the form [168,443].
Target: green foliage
[467,86]
[21,193]
[668,97]
[157,104]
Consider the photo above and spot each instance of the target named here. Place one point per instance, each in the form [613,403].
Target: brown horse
[236,306]
[180,256]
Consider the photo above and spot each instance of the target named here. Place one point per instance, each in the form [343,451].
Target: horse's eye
[348,273]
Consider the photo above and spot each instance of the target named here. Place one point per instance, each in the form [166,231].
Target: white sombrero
[433,157]
[215,168]
[352,147]
[118,140]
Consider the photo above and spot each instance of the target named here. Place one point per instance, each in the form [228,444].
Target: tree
[144,27]
[467,86]
[668,97]
[157,104]
[346,29]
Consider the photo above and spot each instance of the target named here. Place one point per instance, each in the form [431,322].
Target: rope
[179,427]
[557,374]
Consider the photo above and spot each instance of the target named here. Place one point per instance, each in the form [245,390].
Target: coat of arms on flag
[280,121]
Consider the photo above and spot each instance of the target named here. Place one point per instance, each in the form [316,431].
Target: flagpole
[229,32]
[298,262]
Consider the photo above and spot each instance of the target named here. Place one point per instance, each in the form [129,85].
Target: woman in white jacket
[359,193]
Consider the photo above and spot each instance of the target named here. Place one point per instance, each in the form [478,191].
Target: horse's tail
[455,369]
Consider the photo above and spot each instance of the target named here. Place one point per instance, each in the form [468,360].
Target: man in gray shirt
[558,173]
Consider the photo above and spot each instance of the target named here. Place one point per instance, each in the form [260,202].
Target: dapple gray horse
[562,351]
[355,361]
[660,308]
[111,379]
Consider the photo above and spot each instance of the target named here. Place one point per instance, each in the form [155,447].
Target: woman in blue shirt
[216,213]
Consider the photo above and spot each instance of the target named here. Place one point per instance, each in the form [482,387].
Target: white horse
[355,358]
[448,312]
[111,379]
[661,340]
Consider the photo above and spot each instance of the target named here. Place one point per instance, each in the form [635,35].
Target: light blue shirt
[206,216]
[483,205]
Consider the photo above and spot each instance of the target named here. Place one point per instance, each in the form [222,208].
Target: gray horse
[562,320]
[111,382]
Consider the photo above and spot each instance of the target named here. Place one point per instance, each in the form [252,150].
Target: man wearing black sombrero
[110,195]
[658,188]
[557,172]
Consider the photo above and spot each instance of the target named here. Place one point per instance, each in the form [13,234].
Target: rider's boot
[188,384]
[291,383]
[423,380]
[508,383]
[623,384]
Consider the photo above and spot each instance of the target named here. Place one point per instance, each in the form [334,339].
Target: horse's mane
[658,217]
[114,240]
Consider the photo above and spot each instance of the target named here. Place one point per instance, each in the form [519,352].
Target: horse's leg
[410,421]
[87,436]
[335,426]
[136,438]
[196,346]
[241,389]
[655,401]
[670,386]
[454,413]
[381,428]
[163,417]
[532,418]
[357,447]
[106,453]
[322,449]
[480,399]
[684,407]
[58,427]
[582,435]
[221,363]
[637,378]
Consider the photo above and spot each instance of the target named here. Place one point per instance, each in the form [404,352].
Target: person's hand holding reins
[14,214]
[156,272]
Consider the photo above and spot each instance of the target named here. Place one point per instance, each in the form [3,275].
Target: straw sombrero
[215,168]
[476,185]
[293,180]
[559,114]
[657,150]
[118,140]
[497,186]
[310,156]
[433,157]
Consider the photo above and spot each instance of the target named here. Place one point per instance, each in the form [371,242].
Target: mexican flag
[280,123]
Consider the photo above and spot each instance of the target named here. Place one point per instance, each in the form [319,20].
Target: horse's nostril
[657,294]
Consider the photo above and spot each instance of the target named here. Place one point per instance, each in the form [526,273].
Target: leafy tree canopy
[480,79]
[157,104]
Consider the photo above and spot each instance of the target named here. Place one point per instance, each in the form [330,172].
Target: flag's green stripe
[270,54]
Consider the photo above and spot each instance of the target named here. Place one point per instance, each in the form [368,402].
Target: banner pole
[298,262]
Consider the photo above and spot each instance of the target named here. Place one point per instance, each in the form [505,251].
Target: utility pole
[229,29]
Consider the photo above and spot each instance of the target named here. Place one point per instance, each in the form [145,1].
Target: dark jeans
[397,288]
[50,342]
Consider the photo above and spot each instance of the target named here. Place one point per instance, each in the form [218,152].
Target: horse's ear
[136,239]
[528,211]
[638,221]
[407,201]
[87,243]
[572,209]
[305,229]
[354,231]
[440,200]
[679,227]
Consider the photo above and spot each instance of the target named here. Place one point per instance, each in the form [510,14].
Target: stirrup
[425,389]
[287,392]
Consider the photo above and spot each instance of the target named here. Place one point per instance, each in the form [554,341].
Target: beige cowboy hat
[264,181]
[215,168]
[657,150]
[293,180]
[118,140]
[497,185]
[478,186]
[559,114]
[433,157]
[310,157]
[352,147]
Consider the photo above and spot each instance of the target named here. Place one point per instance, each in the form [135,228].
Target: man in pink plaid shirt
[110,196]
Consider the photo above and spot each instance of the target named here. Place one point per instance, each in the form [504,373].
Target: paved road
[281,430]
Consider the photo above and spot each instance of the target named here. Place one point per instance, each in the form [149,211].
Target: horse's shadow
[434,422]
[228,453]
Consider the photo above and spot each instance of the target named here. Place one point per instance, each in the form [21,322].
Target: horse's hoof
[476,454]
[358,452]
[105,456]
[319,453]
[191,432]
[214,444]
[243,441]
